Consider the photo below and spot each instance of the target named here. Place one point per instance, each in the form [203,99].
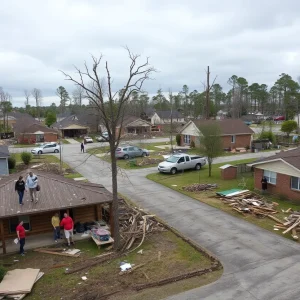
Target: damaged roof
[57,192]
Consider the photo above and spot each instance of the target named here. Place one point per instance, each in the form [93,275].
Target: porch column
[98,210]
[3,246]
[111,219]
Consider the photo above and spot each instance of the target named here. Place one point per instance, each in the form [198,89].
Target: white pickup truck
[180,162]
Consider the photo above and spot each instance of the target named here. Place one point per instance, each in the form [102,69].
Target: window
[271,176]
[233,139]
[187,139]
[181,160]
[187,158]
[130,148]
[14,222]
[295,183]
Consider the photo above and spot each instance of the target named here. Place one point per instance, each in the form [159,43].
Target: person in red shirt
[68,225]
[21,237]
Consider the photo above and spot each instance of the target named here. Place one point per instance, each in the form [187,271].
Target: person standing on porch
[264,184]
[55,223]
[21,237]
[31,184]
[20,188]
[82,147]
[68,225]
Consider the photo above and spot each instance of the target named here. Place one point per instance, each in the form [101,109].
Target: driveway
[257,264]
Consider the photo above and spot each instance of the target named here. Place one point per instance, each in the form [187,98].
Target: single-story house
[282,171]
[134,125]
[31,133]
[71,127]
[83,201]
[156,117]
[4,154]
[234,132]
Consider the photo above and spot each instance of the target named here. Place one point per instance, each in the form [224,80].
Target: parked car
[180,162]
[279,118]
[46,148]
[130,152]
[248,123]
[103,137]
[88,139]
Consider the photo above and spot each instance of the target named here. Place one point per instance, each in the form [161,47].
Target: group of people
[31,185]
[66,223]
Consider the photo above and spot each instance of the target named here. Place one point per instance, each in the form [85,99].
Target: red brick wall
[229,173]
[241,141]
[282,187]
[30,138]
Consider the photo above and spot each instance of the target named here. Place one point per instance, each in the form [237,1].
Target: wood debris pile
[290,224]
[249,202]
[149,161]
[199,187]
[135,225]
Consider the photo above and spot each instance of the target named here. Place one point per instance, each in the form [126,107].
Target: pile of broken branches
[290,223]
[199,187]
[249,202]
[135,225]
[149,161]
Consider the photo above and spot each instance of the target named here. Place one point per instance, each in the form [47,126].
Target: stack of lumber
[17,283]
[290,224]
[135,225]
[59,251]
[249,202]
[199,187]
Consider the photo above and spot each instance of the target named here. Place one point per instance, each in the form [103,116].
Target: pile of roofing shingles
[290,223]
[249,202]
[17,283]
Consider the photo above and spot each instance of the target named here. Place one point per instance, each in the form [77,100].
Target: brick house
[134,125]
[282,172]
[35,133]
[234,132]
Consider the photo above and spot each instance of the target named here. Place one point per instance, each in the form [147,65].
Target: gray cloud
[255,39]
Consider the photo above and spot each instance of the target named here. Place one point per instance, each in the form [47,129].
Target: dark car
[279,118]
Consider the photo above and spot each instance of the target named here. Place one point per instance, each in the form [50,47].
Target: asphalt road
[257,264]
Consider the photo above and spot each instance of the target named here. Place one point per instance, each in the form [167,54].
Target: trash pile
[245,201]
[100,234]
[149,161]
[290,223]
[17,283]
[135,225]
[199,187]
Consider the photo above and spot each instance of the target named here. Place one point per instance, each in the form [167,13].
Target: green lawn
[63,141]
[178,181]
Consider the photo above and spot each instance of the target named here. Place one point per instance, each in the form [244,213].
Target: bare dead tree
[37,95]
[78,95]
[112,107]
[27,95]
[208,88]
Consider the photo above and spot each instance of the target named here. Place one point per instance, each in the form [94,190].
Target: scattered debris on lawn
[149,161]
[59,251]
[244,201]
[125,266]
[17,283]
[135,225]
[290,224]
[199,187]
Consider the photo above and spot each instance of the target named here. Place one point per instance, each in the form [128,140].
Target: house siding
[4,166]
[25,138]
[241,141]
[282,187]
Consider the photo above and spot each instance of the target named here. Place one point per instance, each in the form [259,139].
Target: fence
[243,168]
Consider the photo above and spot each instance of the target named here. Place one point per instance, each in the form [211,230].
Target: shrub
[178,139]
[289,126]
[26,157]
[268,135]
[192,145]
[11,162]
[2,272]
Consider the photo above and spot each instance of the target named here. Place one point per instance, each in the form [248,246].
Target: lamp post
[60,150]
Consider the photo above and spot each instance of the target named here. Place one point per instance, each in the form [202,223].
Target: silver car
[46,148]
[130,152]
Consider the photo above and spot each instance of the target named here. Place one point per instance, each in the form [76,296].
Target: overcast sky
[255,39]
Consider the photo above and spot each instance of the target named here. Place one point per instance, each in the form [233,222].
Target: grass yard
[177,182]
[176,257]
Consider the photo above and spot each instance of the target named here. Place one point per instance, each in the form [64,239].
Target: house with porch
[83,201]
[32,133]
[156,117]
[282,172]
[134,125]
[4,154]
[234,132]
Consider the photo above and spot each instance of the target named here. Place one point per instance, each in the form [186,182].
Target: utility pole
[207,93]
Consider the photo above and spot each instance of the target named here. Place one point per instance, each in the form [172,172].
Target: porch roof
[57,192]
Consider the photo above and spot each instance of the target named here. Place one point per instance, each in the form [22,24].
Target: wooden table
[100,243]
